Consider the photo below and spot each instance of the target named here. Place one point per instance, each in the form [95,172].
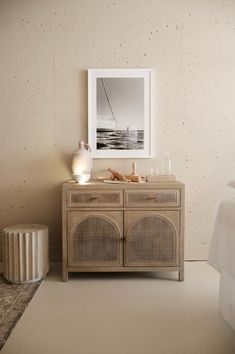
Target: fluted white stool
[25,253]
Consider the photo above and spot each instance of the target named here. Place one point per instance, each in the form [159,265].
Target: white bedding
[222,257]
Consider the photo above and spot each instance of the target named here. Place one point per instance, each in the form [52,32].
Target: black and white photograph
[119,112]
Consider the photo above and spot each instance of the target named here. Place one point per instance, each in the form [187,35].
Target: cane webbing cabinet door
[151,238]
[127,227]
[94,238]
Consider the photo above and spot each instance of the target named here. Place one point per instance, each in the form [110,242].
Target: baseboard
[191,253]
[196,253]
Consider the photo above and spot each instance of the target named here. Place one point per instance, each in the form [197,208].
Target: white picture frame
[119,113]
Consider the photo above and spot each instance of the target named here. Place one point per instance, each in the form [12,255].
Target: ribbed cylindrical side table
[25,253]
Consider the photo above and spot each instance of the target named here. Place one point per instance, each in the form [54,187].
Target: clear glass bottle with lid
[166,164]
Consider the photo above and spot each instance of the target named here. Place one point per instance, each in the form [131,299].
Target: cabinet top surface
[102,185]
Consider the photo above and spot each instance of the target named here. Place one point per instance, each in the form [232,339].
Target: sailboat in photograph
[106,122]
[132,133]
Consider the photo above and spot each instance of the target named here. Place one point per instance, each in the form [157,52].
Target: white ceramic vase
[82,163]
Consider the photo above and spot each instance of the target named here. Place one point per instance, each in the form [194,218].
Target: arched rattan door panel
[94,239]
[151,238]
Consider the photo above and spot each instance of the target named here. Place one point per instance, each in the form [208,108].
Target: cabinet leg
[65,275]
[181,275]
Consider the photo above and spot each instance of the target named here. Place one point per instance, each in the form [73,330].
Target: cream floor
[125,313]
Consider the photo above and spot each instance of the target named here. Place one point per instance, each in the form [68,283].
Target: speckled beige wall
[46,48]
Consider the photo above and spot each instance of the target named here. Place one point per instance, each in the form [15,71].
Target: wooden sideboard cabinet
[123,227]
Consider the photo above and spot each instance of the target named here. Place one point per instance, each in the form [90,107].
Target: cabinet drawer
[94,198]
[152,197]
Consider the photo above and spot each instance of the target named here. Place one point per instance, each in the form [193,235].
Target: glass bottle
[166,164]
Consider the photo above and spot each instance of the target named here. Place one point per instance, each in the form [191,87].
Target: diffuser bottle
[166,164]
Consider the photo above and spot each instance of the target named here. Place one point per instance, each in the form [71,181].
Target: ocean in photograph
[120,140]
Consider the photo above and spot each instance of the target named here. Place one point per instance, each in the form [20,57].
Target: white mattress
[222,257]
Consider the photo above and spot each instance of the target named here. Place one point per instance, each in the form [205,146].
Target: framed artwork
[119,113]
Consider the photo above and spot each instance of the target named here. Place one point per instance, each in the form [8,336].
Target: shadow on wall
[33,195]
